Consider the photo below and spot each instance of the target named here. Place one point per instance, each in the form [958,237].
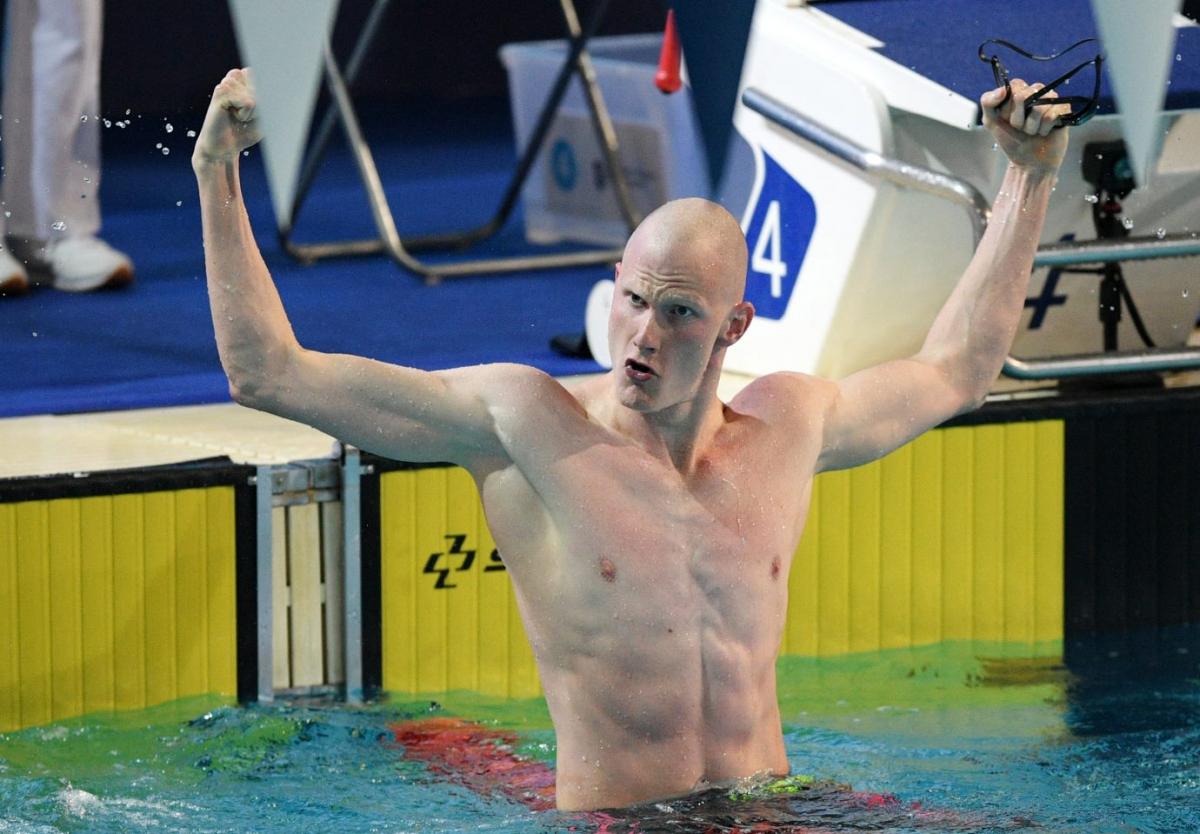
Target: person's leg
[65,171]
[57,203]
[16,111]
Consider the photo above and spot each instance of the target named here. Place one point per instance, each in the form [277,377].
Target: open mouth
[636,370]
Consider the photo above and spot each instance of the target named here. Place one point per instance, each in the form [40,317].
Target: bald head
[696,235]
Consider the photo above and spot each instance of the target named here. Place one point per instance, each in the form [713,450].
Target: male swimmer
[648,526]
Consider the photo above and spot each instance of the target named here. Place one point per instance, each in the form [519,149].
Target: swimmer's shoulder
[785,395]
[520,390]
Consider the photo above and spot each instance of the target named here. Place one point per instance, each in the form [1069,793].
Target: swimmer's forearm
[974,332]
[253,334]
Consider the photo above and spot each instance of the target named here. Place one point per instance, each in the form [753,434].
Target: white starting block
[863,184]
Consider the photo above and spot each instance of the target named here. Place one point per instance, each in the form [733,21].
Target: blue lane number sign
[778,235]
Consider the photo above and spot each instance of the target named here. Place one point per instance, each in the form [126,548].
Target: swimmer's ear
[737,324]
[617,271]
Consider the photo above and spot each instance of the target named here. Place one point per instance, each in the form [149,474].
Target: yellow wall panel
[129,602]
[863,559]
[397,533]
[926,542]
[462,607]
[115,602]
[896,550]
[160,597]
[1020,495]
[96,608]
[1049,511]
[450,618]
[9,649]
[987,546]
[962,537]
[833,565]
[33,614]
[958,502]
[221,597]
[189,564]
[66,652]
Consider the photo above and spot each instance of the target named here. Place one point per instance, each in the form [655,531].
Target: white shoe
[80,264]
[14,280]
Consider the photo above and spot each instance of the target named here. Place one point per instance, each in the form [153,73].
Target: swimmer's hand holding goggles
[1082,107]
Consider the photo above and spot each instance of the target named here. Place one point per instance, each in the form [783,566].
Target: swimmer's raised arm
[399,412]
[878,409]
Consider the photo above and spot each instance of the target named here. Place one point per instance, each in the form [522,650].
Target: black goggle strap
[1000,74]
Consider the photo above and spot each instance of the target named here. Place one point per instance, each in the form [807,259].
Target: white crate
[568,194]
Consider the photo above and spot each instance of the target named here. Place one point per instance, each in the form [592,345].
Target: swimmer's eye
[681,312]
[636,300]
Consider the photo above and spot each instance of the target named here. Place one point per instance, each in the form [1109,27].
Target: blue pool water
[1091,738]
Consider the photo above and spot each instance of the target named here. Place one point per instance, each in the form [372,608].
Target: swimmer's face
[676,307]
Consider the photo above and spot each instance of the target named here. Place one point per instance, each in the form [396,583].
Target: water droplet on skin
[995,146]
[88,180]
[1160,232]
[83,118]
[1185,293]
[1127,222]
[58,226]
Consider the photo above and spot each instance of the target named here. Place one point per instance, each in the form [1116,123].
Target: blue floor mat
[152,344]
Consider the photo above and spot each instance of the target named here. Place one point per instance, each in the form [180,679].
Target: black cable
[1133,310]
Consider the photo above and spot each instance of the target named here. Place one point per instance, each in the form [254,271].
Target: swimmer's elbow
[244,394]
[256,383]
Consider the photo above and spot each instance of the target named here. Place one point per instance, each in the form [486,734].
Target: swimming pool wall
[117,592]
[1024,523]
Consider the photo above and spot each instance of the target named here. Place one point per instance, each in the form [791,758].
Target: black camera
[1106,166]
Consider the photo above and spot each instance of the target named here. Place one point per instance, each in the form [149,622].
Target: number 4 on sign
[770,263]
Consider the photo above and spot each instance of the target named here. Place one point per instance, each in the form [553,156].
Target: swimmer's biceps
[876,410]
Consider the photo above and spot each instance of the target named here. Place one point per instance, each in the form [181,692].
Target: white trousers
[50,132]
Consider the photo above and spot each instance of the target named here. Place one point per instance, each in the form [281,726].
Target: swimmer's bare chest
[655,601]
[617,529]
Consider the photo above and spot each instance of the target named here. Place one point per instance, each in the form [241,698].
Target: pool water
[1098,736]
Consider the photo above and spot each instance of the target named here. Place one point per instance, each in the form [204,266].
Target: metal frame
[960,191]
[577,62]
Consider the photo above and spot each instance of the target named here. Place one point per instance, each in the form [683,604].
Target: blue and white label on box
[778,232]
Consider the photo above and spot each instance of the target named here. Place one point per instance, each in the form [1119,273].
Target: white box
[568,194]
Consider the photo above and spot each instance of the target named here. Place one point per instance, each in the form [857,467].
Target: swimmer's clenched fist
[1027,139]
[231,123]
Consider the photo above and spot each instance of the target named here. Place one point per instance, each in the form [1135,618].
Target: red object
[669,59]
[478,758]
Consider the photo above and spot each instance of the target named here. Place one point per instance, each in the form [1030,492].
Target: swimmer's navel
[608,571]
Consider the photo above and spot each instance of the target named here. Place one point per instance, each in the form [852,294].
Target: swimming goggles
[1082,107]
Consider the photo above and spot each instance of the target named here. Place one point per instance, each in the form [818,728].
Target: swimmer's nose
[646,338]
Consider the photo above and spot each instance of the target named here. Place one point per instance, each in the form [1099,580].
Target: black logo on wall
[456,560]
